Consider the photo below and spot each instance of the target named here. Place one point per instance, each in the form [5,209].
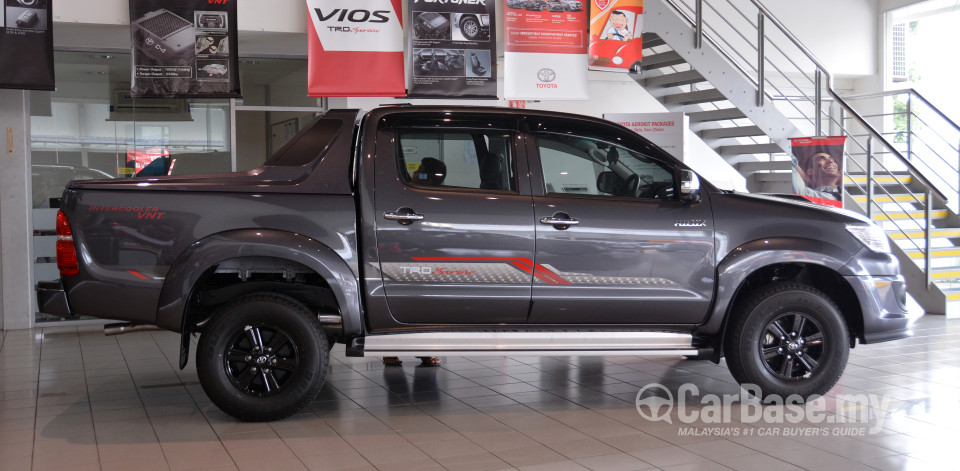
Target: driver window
[583,166]
[458,159]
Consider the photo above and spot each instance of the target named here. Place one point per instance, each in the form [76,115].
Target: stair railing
[780,66]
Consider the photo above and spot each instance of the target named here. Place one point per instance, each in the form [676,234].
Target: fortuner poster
[818,169]
[615,35]
[355,48]
[26,45]
[545,44]
[453,49]
[184,48]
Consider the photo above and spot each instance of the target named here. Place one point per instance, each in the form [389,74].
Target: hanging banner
[184,49]
[545,44]
[355,48]
[26,45]
[616,27]
[818,169]
[453,49]
[666,130]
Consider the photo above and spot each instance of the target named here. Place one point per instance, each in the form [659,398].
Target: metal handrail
[910,91]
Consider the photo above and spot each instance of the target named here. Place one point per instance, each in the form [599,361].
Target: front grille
[164,24]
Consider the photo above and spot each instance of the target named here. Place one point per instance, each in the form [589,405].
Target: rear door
[454,221]
[614,242]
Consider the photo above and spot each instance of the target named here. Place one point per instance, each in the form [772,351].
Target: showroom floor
[71,398]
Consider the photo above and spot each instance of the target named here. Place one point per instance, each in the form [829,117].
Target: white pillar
[17,296]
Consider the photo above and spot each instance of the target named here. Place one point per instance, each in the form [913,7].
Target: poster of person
[26,45]
[818,169]
[545,48]
[616,27]
[453,49]
[184,49]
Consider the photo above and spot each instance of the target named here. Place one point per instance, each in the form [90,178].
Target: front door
[618,244]
[455,233]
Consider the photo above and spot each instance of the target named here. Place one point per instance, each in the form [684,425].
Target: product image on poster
[616,28]
[26,45]
[818,169]
[451,51]
[545,45]
[183,49]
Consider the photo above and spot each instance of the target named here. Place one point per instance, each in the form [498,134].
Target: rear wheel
[263,357]
[789,338]
[470,27]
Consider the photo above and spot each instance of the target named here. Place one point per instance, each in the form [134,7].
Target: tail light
[66,250]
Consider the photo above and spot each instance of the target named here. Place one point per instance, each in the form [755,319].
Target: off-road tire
[779,364]
[470,27]
[295,370]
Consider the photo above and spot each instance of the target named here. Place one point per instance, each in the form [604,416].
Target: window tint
[578,165]
[458,159]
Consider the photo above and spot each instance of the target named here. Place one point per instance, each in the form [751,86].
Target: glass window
[460,159]
[585,166]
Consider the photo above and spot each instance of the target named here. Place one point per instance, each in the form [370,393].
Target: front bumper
[52,300]
[883,302]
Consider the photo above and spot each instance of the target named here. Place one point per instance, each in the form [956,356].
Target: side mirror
[608,182]
[689,186]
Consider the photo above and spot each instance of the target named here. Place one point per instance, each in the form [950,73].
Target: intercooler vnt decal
[26,45]
[184,48]
[453,48]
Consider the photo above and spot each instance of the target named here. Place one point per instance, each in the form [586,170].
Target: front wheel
[263,357]
[470,27]
[789,338]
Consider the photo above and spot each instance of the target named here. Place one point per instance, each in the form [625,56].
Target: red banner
[616,27]
[545,44]
[818,169]
[355,48]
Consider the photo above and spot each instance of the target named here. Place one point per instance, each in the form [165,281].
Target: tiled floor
[73,399]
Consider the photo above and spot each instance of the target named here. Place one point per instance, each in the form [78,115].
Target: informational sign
[616,27]
[666,130]
[26,45]
[818,169]
[184,48]
[355,48]
[453,49]
[545,44]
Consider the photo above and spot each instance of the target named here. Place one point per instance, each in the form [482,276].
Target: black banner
[184,48]
[26,45]
[453,49]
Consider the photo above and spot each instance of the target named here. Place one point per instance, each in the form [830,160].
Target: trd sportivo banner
[818,169]
[26,45]
[453,48]
[545,43]
[355,48]
[615,35]
[184,48]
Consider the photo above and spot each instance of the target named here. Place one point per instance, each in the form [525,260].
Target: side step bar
[526,343]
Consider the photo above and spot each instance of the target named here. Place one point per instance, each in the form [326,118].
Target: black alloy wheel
[261,360]
[791,346]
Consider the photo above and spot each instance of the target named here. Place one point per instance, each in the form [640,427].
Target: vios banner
[355,48]
[453,48]
[26,45]
[545,44]
[184,48]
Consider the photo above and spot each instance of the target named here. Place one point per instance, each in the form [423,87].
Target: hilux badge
[690,223]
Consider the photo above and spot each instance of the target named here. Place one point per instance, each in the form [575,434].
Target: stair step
[675,79]
[888,180]
[952,294]
[936,233]
[693,98]
[746,168]
[750,149]
[715,115]
[777,177]
[936,252]
[897,215]
[912,198]
[945,273]
[652,40]
[662,59]
[736,131]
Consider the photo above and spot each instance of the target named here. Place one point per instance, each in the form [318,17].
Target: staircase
[748,86]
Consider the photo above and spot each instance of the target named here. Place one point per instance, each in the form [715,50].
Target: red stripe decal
[137,274]
[524,264]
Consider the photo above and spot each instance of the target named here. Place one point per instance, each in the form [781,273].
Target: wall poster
[184,49]
[818,169]
[666,130]
[355,48]
[545,44]
[26,45]
[453,49]
[616,27]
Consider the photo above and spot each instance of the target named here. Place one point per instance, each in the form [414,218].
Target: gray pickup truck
[471,231]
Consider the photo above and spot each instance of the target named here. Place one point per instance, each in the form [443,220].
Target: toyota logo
[546,75]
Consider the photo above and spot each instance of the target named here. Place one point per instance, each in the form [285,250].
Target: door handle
[403,216]
[560,221]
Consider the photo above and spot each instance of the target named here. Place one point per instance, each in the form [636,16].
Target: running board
[529,343]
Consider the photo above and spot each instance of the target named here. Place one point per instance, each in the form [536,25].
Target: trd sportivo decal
[500,270]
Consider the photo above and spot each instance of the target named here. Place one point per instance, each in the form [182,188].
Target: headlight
[871,236]
[618,60]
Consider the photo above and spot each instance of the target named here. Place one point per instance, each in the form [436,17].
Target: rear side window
[307,145]
[481,159]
